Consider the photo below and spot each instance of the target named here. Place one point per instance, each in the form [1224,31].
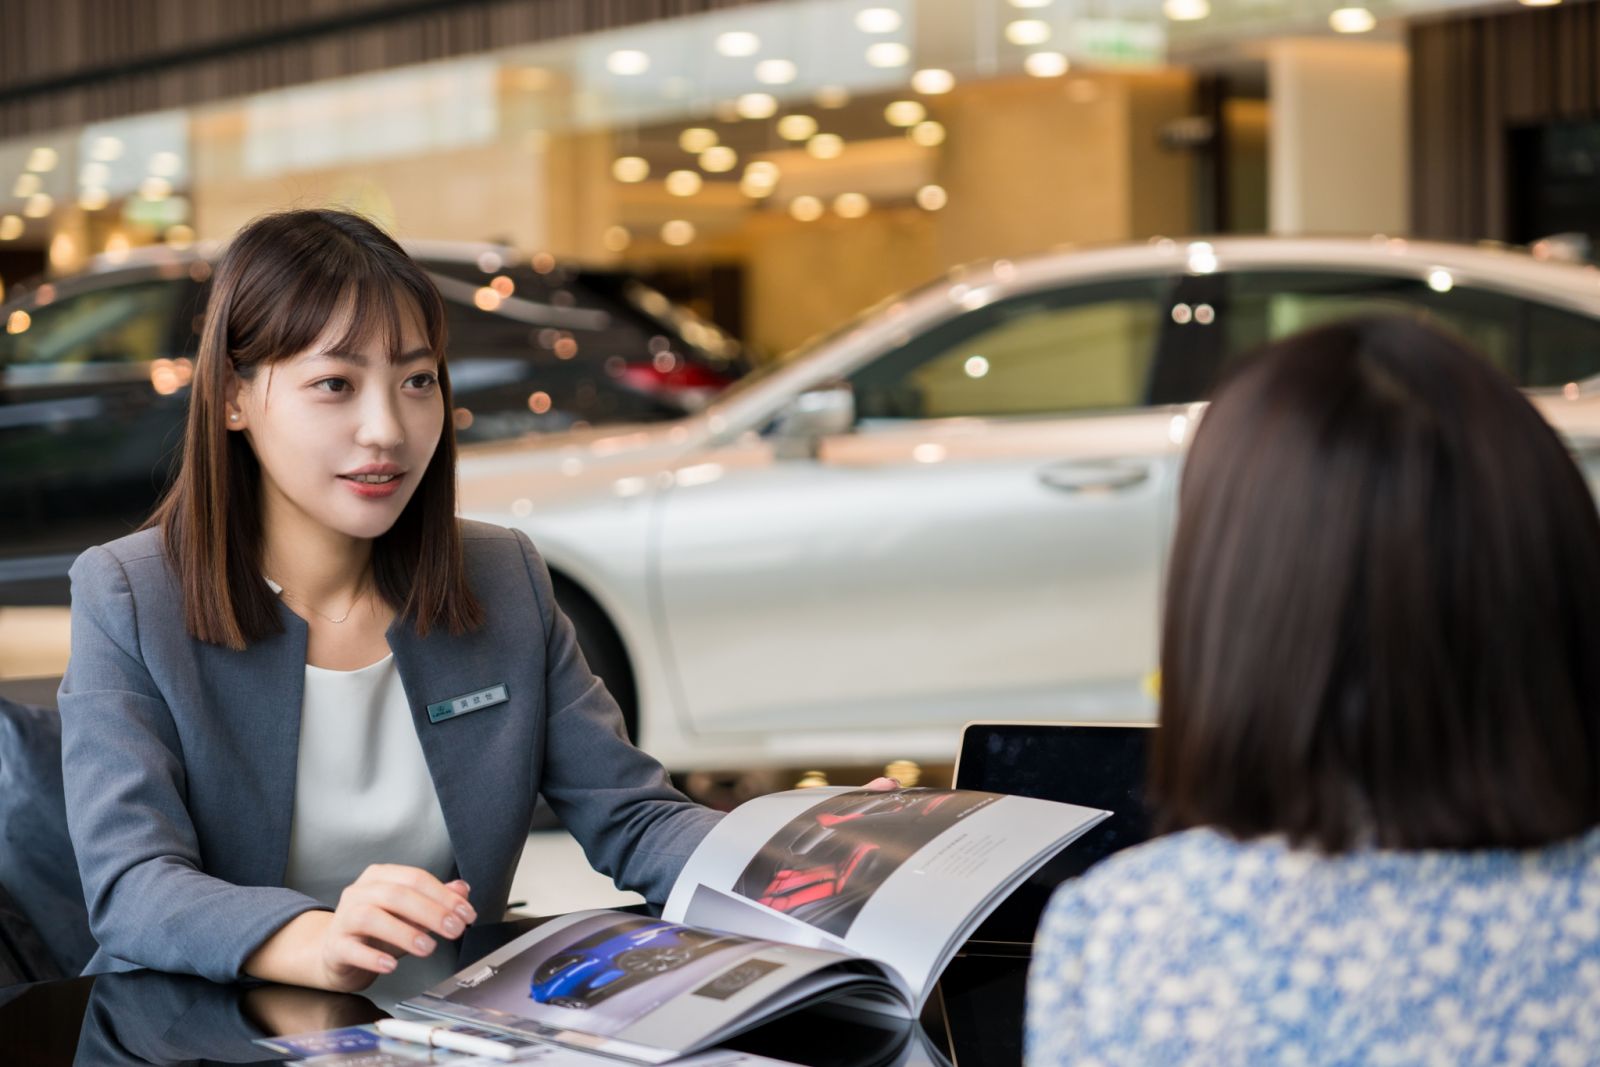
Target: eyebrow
[359,360]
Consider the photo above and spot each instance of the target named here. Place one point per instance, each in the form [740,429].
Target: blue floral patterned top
[1199,949]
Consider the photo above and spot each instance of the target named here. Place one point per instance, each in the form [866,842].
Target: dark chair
[44,925]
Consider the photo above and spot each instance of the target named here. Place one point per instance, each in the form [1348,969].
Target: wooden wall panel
[1473,81]
[67,62]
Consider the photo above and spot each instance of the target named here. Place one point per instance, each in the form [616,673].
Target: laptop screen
[1097,766]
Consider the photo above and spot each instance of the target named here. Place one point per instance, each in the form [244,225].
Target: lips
[374,481]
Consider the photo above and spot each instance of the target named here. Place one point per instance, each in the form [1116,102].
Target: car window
[1262,306]
[121,324]
[1562,347]
[1085,348]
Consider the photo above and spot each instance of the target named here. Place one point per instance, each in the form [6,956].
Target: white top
[362,791]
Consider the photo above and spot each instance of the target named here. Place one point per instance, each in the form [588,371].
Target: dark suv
[94,373]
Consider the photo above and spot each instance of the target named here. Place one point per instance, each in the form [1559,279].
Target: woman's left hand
[882,785]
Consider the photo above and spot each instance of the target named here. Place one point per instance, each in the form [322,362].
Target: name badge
[483,698]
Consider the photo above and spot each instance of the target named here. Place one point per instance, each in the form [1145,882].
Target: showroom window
[121,324]
[1088,348]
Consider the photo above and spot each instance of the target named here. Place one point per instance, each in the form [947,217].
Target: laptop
[1098,765]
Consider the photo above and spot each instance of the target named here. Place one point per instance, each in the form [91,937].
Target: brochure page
[636,987]
[899,877]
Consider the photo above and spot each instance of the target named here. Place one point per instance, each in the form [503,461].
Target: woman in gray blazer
[310,545]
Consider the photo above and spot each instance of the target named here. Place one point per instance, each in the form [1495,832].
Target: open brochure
[836,894]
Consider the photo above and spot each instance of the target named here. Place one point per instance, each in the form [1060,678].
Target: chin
[373,523]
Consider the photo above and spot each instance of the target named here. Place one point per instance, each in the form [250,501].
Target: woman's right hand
[389,912]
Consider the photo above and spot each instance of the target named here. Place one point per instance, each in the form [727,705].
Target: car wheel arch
[602,644]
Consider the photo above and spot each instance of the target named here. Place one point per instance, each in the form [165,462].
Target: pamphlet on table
[849,896]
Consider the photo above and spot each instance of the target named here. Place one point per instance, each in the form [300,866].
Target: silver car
[958,506]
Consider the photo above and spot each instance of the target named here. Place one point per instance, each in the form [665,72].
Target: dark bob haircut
[283,279]
[1383,608]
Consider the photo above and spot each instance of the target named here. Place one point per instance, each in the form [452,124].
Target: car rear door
[1551,352]
[986,543]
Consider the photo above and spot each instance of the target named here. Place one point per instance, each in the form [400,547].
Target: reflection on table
[151,1018]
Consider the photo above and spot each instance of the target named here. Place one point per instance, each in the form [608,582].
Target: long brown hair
[1383,607]
[282,280]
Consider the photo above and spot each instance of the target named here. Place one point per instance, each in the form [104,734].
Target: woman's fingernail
[423,943]
[452,925]
[466,912]
[385,963]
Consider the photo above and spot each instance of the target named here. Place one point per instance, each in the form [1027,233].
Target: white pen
[444,1037]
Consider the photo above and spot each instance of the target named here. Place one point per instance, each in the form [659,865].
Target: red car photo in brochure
[824,866]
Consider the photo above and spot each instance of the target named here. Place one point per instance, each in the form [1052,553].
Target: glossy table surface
[147,1017]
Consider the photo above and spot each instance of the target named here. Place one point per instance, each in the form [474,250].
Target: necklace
[281,591]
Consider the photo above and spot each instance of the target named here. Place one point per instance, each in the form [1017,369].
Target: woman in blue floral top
[1379,753]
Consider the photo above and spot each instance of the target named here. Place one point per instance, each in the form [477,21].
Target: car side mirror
[813,415]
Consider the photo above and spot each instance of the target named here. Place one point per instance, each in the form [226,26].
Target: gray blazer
[180,757]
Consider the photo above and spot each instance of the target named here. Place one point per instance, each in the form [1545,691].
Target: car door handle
[1094,476]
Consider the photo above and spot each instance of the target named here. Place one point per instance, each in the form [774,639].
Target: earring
[234,417]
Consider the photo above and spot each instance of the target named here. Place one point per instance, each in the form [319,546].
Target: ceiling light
[796,127]
[616,238]
[776,72]
[719,159]
[11,227]
[887,54]
[757,106]
[677,232]
[756,189]
[877,20]
[1352,20]
[627,62]
[106,149]
[1185,10]
[684,183]
[826,146]
[737,43]
[932,197]
[1029,5]
[165,164]
[696,139]
[39,205]
[94,174]
[851,205]
[154,188]
[42,159]
[93,198]
[1028,31]
[905,113]
[932,81]
[26,185]
[762,170]
[832,96]
[1046,64]
[806,208]
[630,169]
[928,134]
